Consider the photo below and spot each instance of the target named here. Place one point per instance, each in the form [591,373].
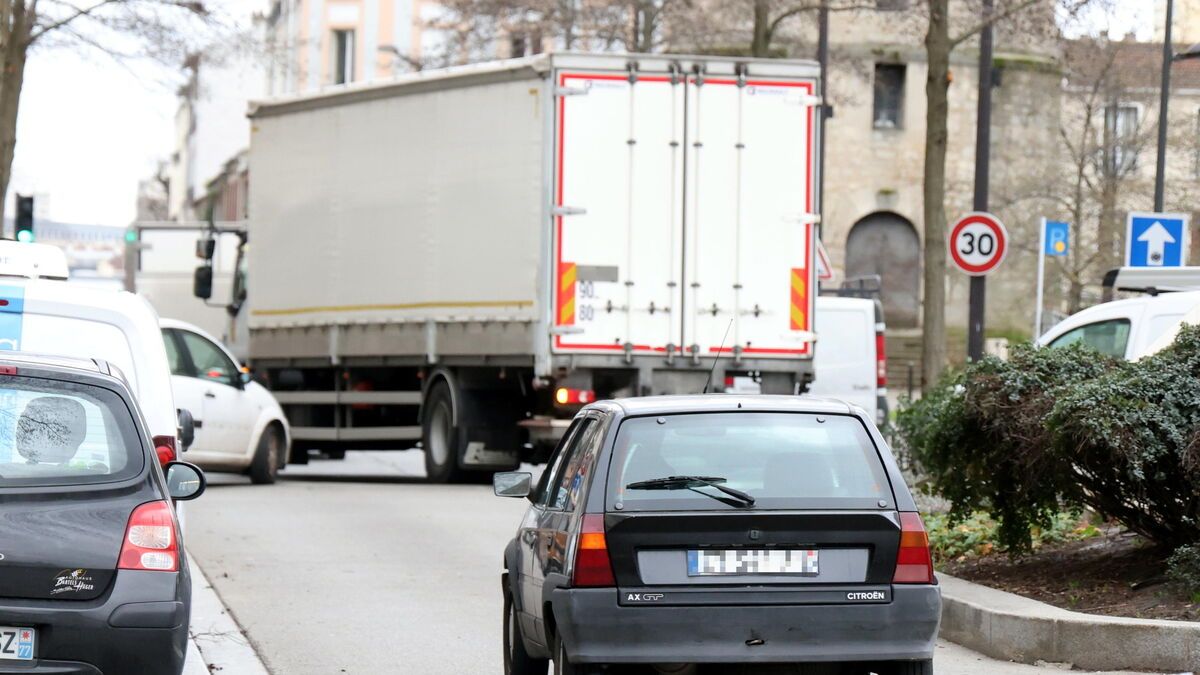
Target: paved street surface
[356,566]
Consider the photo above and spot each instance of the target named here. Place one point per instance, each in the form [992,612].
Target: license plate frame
[795,562]
[17,643]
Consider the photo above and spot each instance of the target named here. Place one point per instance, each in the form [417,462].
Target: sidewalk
[215,643]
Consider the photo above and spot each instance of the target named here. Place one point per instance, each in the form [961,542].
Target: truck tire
[267,456]
[442,441]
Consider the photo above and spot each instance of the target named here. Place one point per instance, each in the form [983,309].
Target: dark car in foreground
[718,529]
[93,577]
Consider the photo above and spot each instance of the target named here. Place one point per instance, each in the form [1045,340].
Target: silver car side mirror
[512,483]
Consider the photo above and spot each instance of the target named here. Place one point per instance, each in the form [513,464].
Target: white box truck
[464,257]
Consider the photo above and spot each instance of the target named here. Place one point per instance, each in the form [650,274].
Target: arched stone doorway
[887,244]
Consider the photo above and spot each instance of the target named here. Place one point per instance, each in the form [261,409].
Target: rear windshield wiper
[691,483]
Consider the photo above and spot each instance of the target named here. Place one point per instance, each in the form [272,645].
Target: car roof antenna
[720,349]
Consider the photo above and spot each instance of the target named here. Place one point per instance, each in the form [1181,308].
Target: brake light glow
[567,396]
[880,360]
[164,447]
[150,539]
[592,565]
[914,565]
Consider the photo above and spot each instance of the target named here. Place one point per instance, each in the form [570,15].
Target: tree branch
[990,20]
[79,13]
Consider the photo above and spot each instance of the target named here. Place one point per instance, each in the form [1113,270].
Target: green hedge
[1066,428]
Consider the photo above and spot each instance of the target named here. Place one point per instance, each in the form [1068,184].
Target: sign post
[978,242]
[1156,240]
[1054,240]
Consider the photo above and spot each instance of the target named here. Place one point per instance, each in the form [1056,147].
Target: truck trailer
[465,257]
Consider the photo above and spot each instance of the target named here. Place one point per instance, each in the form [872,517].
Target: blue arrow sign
[1156,240]
[1058,238]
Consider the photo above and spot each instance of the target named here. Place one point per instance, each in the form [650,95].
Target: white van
[1125,329]
[851,361]
[42,313]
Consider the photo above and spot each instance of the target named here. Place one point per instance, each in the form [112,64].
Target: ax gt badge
[643,597]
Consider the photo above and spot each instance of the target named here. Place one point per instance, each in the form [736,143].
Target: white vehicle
[239,425]
[41,312]
[851,361]
[467,256]
[1125,329]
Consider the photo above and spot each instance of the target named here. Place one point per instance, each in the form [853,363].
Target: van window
[56,432]
[1107,337]
[783,460]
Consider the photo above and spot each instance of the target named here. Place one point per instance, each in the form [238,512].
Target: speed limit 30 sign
[978,242]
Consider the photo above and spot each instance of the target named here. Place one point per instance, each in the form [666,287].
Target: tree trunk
[649,23]
[937,85]
[761,42]
[12,77]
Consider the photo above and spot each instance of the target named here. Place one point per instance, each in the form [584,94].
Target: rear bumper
[596,630]
[139,626]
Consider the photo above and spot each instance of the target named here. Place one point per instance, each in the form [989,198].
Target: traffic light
[24,224]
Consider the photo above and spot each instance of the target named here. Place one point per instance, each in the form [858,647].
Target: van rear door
[845,363]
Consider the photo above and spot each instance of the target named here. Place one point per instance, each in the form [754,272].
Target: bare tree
[942,37]
[157,29]
[475,27]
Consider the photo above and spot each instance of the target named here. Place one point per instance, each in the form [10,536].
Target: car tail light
[592,566]
[150,539]
[913,562]
[880,360]
[164,447]
[567,396]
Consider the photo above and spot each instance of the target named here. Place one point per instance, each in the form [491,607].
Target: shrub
[1183,567]
[976,534]
[1066,428]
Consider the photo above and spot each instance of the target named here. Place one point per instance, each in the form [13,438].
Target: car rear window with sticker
[57,432]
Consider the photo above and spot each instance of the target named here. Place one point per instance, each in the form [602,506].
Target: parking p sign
[1156,240]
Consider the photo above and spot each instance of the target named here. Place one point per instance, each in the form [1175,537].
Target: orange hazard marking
[799,313]
[566,293]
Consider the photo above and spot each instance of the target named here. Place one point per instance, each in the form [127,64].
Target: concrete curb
[1014,628]
[216,643]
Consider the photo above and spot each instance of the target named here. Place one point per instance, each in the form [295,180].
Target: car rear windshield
[782,460]
[55,432]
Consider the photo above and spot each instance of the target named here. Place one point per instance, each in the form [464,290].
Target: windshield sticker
[73,581]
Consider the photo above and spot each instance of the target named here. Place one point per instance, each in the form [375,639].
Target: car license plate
[17,643]
[709,562]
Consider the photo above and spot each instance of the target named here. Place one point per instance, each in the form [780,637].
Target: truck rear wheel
[442,441]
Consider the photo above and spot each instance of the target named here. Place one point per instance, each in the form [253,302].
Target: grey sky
[91,128]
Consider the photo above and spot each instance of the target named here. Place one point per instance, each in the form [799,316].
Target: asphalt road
[356,566]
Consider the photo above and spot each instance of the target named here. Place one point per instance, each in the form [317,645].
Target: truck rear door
[749,251]
[682,210]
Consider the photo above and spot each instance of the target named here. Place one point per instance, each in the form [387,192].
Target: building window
[1122,121]
[889,96]
[343,56]
[891,5]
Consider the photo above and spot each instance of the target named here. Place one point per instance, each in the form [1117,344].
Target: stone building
[317,43]
[875,149]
